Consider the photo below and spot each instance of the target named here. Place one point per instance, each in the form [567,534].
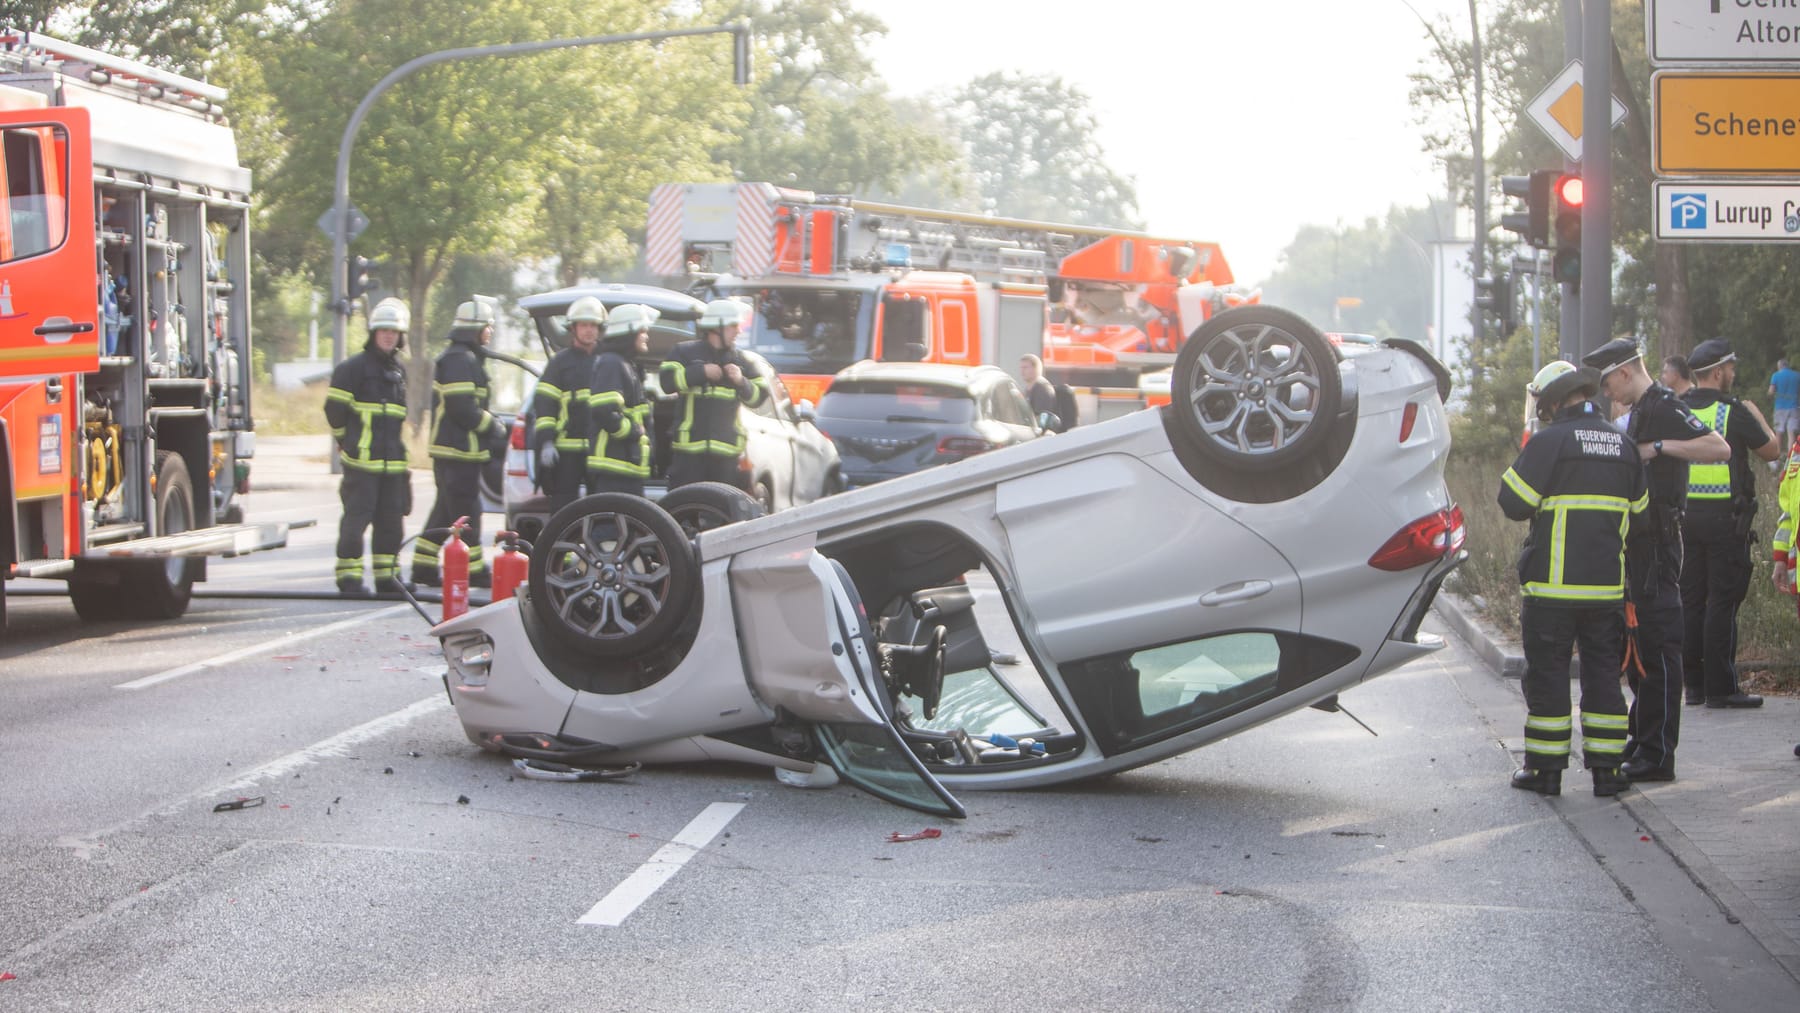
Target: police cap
[1711,353]
[1612,355]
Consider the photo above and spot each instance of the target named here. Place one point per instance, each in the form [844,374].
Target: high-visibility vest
[1711,481]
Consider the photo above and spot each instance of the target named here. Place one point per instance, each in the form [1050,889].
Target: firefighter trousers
[458,495]
[378,501]
[1550,634]
[612,481]
[686,469]
[563,483]
[1715,577]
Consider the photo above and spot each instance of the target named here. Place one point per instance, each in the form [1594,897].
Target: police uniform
[365,406]
[709,436]
[618,460]
[1653,571]
[463,438]
[1578,481]
[560,405]
[1715,531]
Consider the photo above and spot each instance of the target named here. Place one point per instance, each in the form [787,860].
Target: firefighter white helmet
[720,312]
[629,319]
[1557,382]
[587,309]
[390,314]
[474,313]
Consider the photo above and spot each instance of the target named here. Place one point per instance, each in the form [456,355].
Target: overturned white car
[1272,537]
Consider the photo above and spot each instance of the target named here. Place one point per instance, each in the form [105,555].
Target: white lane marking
[618,905]
[267,645]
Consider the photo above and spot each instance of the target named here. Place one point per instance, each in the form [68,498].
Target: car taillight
[1426,540]
[962,446]
[516,438]
[1408,419]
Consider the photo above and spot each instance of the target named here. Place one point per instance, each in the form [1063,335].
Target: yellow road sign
[1710,123]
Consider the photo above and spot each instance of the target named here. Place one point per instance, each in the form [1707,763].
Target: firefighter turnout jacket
[560,403]
[1578,482]
[707,421]
[620,416]
[463,429]
[366,409]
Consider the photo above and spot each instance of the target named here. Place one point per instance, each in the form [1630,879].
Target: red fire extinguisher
[510,565]
[454,560]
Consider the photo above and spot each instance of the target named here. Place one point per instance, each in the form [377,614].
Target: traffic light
[1495,297]
[362,277]
[1534,222]
[1566,265]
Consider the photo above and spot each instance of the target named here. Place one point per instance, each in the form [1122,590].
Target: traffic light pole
[1569,318]
[340,200]
[1596,175]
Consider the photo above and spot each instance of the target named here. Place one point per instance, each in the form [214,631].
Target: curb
[1459,615]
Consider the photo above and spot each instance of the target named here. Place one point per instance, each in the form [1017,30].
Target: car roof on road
[669,303]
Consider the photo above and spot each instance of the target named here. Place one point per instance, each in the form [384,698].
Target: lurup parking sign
[1727,211]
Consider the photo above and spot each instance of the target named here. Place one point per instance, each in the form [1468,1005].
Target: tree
[1381,263]
[1032,152]
[818,116]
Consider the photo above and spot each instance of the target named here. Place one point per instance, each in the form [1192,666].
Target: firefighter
[619,460]
[1578,481]
[559,437]
[711,379]
[366,408]
[1668,438]
[464,437]
[1715,532]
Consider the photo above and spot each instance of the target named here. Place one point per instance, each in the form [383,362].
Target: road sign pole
[1568,330]
[1596,177]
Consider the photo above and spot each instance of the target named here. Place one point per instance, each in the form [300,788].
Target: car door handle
[1243,590]
[56,330]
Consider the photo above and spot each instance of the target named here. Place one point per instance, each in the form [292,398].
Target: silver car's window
[887,402]
[1182,680]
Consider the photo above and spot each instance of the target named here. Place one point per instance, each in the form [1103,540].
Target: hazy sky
[1240,121]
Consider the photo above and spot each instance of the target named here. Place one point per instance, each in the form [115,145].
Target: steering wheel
[919,670]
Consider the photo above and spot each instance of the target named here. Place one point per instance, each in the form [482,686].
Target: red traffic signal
[1568,191]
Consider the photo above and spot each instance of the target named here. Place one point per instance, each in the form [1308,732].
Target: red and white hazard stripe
[663,252]
[754,252]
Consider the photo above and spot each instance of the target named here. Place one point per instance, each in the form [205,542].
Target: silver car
[1268,540]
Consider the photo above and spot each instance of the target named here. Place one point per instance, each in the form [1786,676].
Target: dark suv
[895,418]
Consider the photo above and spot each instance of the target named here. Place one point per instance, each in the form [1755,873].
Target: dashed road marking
[254,649]
[625,898]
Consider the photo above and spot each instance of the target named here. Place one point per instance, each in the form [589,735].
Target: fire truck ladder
[982,245]
[146,83]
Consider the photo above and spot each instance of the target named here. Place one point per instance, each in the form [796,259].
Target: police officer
[1668,437]
[710,379]
[559,437]
[1578,481]
[366,408]
[464,437]
[619,459]
[1721,502]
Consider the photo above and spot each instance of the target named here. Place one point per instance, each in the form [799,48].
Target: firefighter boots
[388,585]
[1544,782]
[350,585]
[1609,781]
[426,576]
[1639,768]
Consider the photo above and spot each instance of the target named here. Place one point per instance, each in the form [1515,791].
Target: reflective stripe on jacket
[620,417]
[560,401]
[459,401]
[707,421]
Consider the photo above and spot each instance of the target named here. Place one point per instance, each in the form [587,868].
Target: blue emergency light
[897,255]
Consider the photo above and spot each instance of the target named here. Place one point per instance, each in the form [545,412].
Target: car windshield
[889,401]
[808,330]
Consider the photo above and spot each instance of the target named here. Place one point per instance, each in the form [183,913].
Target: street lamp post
[340,202]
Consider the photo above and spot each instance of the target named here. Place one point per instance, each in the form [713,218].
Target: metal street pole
[340,202]
[1569,319]
[1596,176]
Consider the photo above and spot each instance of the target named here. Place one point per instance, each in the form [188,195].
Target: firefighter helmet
[587,309]
[1557,382]
[720,312]
[629,319]
[390,314]
[474,313]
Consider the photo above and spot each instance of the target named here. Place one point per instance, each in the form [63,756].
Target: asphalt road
[1301,865]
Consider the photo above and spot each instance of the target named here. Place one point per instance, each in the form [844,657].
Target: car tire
[612,575]
[161,589]
[1236,383]
[702,506]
